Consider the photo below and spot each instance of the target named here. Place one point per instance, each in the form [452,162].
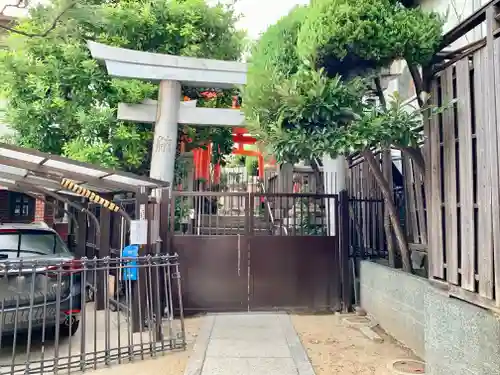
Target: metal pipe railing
[270,211]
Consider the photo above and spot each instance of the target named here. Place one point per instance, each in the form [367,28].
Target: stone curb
[197,358]
[297,351]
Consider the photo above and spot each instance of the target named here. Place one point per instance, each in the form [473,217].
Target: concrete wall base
[452,336]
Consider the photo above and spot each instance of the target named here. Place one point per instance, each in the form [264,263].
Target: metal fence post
[139,286]
[343,232]
[104,251]
[81,244]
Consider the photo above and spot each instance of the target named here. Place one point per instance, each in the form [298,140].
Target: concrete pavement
[248,344]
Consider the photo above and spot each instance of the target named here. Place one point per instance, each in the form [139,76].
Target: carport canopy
[23,167]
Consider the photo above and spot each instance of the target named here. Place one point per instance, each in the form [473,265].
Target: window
[21,206]
[21,244]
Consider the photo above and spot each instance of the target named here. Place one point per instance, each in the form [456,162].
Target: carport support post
[104,251]
[165,132]
[159,236]
[81,244]
[139,288]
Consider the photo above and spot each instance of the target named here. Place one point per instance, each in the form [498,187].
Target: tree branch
[418,158]
[389,238]
[391,207]
[418,81]
[380,93]
[46,32]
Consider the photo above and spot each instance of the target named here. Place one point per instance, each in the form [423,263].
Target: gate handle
[239,255]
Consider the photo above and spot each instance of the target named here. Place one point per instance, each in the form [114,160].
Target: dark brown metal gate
[244,258]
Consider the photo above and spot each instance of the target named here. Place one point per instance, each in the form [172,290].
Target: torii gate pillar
[165,132]
[171,71]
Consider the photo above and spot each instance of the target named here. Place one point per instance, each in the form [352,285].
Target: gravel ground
[170,364]
[334,348]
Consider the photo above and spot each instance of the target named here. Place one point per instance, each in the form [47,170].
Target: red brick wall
[48,215]
[39,210]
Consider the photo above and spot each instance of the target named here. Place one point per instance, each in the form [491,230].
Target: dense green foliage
[252,166]
[273,59]
[312,108]
[62,101]
[310,98]
[347,37]
[322,93]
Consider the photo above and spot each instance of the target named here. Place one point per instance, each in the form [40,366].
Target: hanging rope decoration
[93,197]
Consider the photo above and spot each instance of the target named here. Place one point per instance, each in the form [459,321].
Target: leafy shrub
[350,37]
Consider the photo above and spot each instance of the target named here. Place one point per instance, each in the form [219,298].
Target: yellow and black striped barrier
[93,197]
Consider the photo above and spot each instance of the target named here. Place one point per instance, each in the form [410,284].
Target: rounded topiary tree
[327,67]
[353,37]
[273,59]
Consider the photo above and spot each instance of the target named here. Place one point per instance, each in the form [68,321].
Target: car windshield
[31,243]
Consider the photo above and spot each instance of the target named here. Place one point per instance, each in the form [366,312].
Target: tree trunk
[417,157]
[413,152]
[391,207]
[417,81]
[387,167]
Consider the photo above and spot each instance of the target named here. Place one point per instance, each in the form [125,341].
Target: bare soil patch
[334,348]
[172,363]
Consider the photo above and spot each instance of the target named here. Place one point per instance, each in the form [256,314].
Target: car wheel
[66,329]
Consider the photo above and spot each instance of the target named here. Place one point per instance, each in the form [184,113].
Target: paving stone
[249,366]
[237,348]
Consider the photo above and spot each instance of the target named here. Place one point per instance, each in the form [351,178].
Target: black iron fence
[252,213]
[48,323]
[366,229]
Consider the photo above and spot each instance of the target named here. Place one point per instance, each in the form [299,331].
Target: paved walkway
[248,344]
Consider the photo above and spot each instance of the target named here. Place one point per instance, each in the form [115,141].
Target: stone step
[216,221]
[204,231]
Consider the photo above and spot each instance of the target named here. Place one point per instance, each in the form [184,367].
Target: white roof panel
[23,165]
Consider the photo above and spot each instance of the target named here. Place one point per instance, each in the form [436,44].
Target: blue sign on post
[130,272]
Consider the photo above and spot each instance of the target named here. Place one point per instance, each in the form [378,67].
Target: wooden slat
[419,201]
[364,211]
[411,213]
[380,219]
[357,182]
[436,261]
[492,147]
[427,157]
[496,254]
[491,91]
[450,178]
[464,119]
[357,205]
[485,240]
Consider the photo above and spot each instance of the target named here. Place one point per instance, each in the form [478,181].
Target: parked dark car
[40,281]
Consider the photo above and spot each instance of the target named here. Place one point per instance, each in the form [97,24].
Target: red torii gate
[202,156]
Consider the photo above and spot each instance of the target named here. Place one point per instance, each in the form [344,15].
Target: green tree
[62,101]
[323,92]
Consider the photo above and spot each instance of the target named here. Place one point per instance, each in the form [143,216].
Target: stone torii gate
[171,72]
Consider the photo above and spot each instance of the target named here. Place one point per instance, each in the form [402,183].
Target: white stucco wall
[457,11]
